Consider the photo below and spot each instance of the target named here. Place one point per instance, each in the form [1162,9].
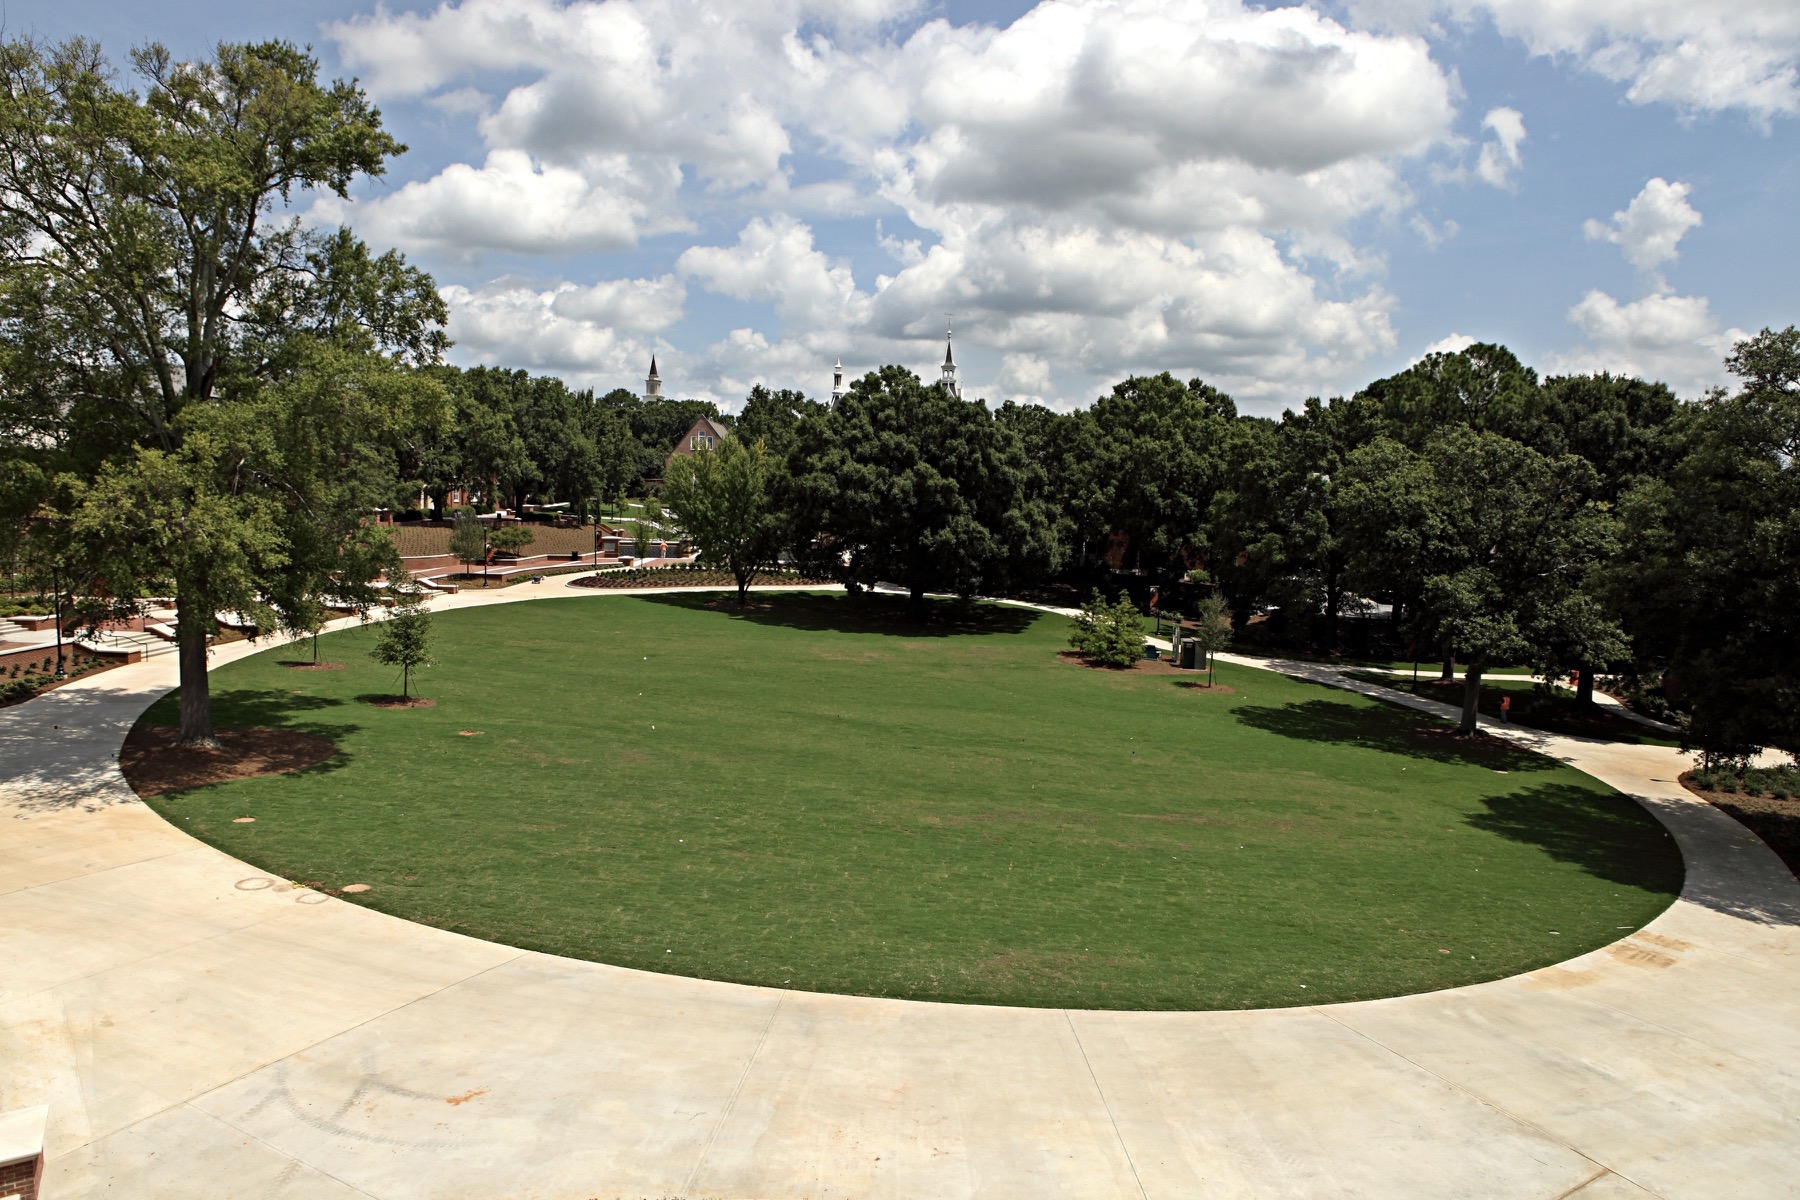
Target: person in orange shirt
[1506,710]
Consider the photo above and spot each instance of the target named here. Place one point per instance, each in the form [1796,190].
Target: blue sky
[1283,200]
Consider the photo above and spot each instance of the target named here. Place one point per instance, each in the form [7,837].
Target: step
[11,629]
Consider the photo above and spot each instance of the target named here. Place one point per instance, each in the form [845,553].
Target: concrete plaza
[201,1029]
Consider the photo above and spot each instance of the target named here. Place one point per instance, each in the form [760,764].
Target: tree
[510,539]
[1144,464]
[773,417]
[1109,634]
[1484,387]
[1212,629]
[404,640]
[204,381]
[724,498]
[905,482]
[468,539]
[304,617]
[1709,580]
[1511,538]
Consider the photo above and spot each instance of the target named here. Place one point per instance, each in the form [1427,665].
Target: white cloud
[1501,156]
[512,203]
[775,261]
[1452,343]
[1672,338]
[593,336]
[1107,185]
[1708,57]
[1648,231]
[1433,235]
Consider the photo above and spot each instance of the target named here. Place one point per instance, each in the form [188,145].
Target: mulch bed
[1776,822]
[397,702]
[154,765]
[686,578]
[1146,666]
[313,666]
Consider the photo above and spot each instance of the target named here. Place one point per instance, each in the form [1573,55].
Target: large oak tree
[210,394]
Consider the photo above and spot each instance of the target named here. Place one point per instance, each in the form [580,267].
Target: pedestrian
[1506,710]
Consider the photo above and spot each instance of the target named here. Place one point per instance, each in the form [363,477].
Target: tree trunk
[917,602]
[1471,699]
[1449,674]
[405,681]
[743,582]
[193,623]
[1584,691]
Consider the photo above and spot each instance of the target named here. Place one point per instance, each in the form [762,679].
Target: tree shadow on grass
[264,707]
[1387,730]
[1610,837]
[879,614]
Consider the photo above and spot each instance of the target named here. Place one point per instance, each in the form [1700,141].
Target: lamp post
[56,619]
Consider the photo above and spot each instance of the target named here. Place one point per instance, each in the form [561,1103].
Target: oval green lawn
[817,795]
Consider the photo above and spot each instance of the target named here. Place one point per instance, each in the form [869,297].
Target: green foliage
[724,498]
[906,483]
[404,640]
[510,539]
[1109,634]
[468,538]
[1145,462]
[1709,576]
[1212,626]
[216,398]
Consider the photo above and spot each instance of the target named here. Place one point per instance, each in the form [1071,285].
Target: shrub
[1110,634]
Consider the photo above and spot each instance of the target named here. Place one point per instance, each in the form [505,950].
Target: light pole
[56,619]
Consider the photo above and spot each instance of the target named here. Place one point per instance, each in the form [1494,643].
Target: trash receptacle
[1190,655]
[1152,652]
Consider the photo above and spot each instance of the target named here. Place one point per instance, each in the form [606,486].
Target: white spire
[653,384]
[837,382]
[948,382]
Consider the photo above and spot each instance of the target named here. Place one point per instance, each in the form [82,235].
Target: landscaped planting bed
[690,576]
[813,793]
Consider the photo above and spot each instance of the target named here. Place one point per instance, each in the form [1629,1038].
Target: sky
[1285,201]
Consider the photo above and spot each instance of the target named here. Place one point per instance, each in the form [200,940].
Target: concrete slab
[890,1098]
[541,1077]
[184,1152]
[1290,1103]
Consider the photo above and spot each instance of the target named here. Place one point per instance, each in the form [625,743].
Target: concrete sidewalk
[201,1029]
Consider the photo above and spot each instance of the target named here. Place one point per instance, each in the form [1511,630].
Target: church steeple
[653,385]
[948,382]
[837,382]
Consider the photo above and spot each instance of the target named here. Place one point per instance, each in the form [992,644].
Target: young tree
[304,617]
[199,370]
[1109,634]
[724,498]
[1212,631]
[404,640]
[468,539]
[510,539]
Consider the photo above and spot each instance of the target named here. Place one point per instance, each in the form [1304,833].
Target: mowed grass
[818,795]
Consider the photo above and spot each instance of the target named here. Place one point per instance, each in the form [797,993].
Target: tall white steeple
[653,385]
[948,382]
[837,383]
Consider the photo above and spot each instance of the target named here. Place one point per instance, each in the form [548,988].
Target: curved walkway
[200,1029]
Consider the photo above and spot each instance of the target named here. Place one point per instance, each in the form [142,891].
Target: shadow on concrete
[1388,730]
[1610,837]
[880,614]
